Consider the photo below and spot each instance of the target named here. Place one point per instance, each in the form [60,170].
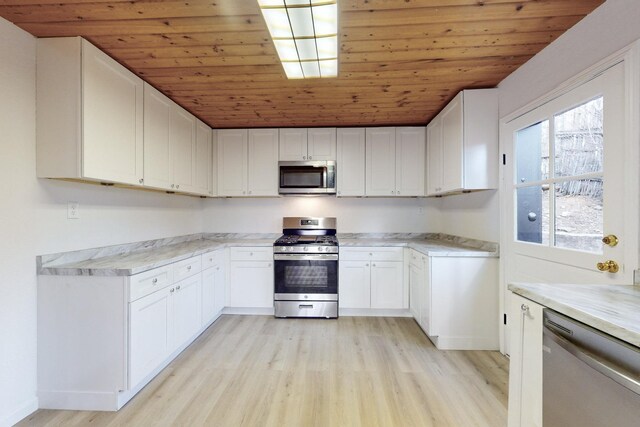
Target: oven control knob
[320,249]
[306,249]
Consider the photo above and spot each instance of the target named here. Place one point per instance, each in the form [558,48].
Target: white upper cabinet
[90,121]
[247,162]
[381,162]
[410,160]
[463,144]
[293,144]
[350,162]
[300,144]
[395,159]
[232,162]
[158,164]
[263,162]
[321,144]
[182,134]
[203,163]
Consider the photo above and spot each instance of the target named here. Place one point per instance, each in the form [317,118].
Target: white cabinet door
[219,296]
[182,133]
[232,162]
[263,162]
[350,162]
[150,320]
[214,162]
[112,101]
[424,294]
[293,144]
[387,290]
[452,145]
[416,282]
[355,284]
[410,159]
[321,144]
[158,163]
[187,317]
[208,295]
[525,366]
[203,160]
[251,284]
[381,162]
[434,156]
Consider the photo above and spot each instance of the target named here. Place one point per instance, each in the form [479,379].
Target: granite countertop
[613,309]
[134,258]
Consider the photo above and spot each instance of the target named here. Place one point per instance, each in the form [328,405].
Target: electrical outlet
[73,210]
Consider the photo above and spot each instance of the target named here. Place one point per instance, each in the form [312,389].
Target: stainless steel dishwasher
[590,379]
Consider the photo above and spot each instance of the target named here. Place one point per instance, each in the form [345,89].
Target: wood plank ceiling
[400,60]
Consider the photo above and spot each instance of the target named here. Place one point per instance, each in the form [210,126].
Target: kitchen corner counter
[135,258]
[431,244]
[613,309]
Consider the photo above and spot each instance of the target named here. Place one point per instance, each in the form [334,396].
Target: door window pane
[532,153]
[532,218]
[578,140]
[578,215]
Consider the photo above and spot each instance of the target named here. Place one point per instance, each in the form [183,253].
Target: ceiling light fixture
[305,34]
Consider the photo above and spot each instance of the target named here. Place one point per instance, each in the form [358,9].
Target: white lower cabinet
[213,286]
[455,300]
[186,310]
[150,338]
[372,278]
[251,277]
[525,366]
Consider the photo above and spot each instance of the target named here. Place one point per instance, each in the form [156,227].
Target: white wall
[33,221]
[354,215]
[475,215]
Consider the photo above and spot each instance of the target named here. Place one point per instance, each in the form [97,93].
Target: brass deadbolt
[610,240]
[611,266]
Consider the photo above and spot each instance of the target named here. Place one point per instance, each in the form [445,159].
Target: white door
[355,284]
[208,295]
[158,163]
[321,144]
[434,156]
[263,162]
[381,162]
[293,144]
[232,162]
[187,309]
[251,284]
[452,144]
[203,160]
[410,160]
[219,297]
[350,162]
[112,120]
[183,148]
[149,336]
[387,285]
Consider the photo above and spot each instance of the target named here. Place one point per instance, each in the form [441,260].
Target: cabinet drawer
[372,254]
[251,253]
[185,268]
[150,281]
[416,259]
[212,258]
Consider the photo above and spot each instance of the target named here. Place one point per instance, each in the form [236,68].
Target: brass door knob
[611,266]
[610,240]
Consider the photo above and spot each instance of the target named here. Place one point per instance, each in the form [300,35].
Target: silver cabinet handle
[249,191]
[309,157]
[141,180]
[217,268]
[524,308]
[397,192]
[210,259]
[370,254]
[154,281]
[177,288]
[173,185]
[269,265]
[244,192]
[373,265]
[177,185]
[304,157]
[172,290]
[188,267]
[250,253]
[393,192]
[366,265]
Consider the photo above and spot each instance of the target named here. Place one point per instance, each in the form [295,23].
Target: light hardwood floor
[354,371]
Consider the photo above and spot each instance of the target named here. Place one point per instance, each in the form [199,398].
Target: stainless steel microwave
[313,177]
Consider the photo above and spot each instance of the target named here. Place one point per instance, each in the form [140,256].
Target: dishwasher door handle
[594,361]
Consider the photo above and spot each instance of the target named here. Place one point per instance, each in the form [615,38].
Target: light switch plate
[73,210]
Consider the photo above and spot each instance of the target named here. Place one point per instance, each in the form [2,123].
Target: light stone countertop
[134,258]
[613,309]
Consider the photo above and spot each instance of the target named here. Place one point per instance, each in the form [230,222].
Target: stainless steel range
[306,268]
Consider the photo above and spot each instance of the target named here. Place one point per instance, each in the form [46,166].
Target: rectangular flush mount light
[305,33]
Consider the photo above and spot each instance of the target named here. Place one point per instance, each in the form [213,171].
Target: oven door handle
[310,257]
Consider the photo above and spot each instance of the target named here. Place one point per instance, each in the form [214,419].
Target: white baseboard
[375,312]
[19,414]
[78,401]
[249,310]
[466,343]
